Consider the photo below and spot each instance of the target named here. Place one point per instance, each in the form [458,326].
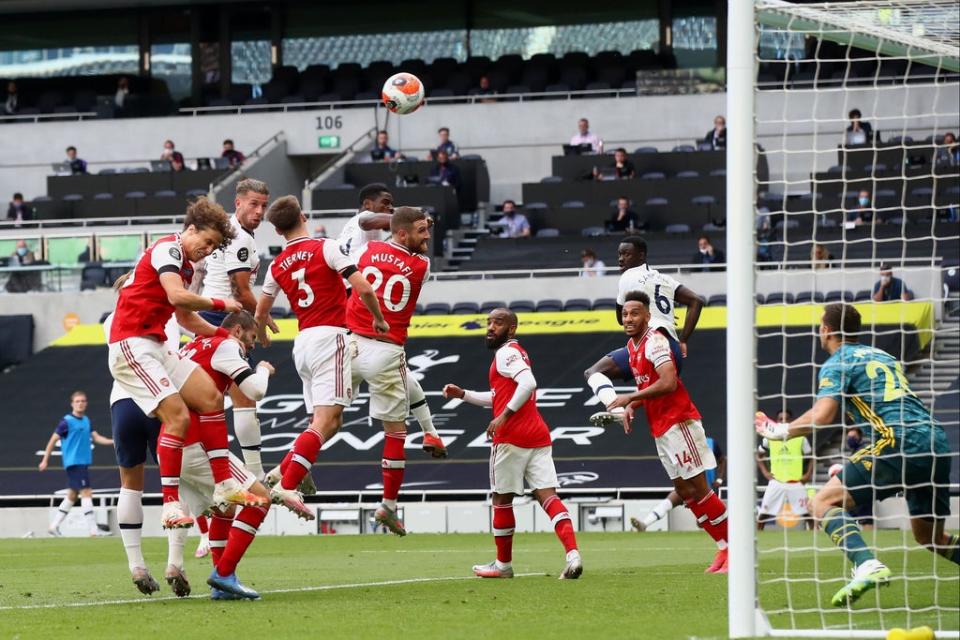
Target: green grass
[634,586]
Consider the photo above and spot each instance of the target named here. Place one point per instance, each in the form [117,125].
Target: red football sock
[711,516]
[242,533]
[503,526]
[201,523]
[170,460]
[213,436]
[562,524]
[286,462]
[305,452]
[394,461]
[219,532]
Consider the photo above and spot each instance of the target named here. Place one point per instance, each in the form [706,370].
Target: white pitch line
[326,587]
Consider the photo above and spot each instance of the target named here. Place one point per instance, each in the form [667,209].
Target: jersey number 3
[389,288]
[300,275]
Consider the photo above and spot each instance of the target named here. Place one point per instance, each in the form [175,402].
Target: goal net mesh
[856,106]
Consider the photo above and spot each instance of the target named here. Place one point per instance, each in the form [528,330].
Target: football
[403,93]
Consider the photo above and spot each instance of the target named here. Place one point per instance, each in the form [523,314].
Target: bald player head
[501,326]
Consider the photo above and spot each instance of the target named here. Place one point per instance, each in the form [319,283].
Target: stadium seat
[838,296]
[109,171]
[653,175]
[879,167]
[806,297]
[678,228]
[718,173]
[717,300]
[604,303]
[684,148]
[522,306]
[92,276]
[593,232]
[712,227]
[103,196]
[71,197]
[548,233]
[195,193]
[573,204]
[165,193]
[787,224]
[863,295]
[688,174]
[551,179]
[465,307]
[577,304]
[490,305]
[549,305]
[134,195]
[646,150]
[779,297]
[436,309]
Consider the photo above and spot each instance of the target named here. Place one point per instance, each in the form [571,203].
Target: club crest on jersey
[243,254]
[175,254]
[164,382]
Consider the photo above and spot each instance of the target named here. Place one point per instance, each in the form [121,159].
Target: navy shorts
[78,477]
[133,433]
[213,317]
[621,357]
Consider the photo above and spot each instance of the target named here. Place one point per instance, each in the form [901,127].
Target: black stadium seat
[465,307]
[838,296]
[437,309]
[604,303]
[522,306]
[577,304]
[779,297]
[717,300]
[490,305]
[549,305]
[806,297]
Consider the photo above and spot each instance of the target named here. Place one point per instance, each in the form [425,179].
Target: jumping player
[665,293]
[310,272]
[140,363]
[396,270]
[910,451]
[230,273]
[673,419]
[76,438]
[373,219]
[522,449]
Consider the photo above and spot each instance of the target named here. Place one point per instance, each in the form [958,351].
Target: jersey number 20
[388,291]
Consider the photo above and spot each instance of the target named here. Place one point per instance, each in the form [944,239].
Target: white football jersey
[354,239]
[659,287]
[239,255]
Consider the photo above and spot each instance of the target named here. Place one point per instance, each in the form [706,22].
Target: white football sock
[502,565]
[175,541]
[130,520]
[62,512]
[247,429]
[390,504]
[658,512]
[418,405]
[86,504]
[603,388]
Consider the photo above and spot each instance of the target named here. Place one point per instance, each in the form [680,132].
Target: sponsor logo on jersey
[243,254]
[825,382]
[175,254]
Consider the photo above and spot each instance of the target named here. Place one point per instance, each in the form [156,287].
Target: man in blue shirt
[888,288]
[446,144]
[76,440]
[909,451]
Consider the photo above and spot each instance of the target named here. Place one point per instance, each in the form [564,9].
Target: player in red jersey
[522,449]
[674,421]
[310,272]
[396,270]
[155,377]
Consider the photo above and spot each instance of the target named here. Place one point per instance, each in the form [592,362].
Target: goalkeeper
[909,453]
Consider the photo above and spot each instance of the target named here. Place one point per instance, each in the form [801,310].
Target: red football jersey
[143,308]
[664,411]
[396,275]
[525,428]
[310,273]
[223,360]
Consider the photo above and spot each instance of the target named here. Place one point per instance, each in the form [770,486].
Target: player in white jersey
[230,273]
[376,209]
[664,293]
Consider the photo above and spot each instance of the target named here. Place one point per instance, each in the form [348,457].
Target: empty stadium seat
[573,204]
[194,193]
[678,228]
[549,305]
[779,297]
[863,295]
[688,174]
[548,233]
[465,307]
[165,193]
[70,197]
[92,276]
[717,300]
[551,179]
[604,303]
[134,195]
[806,297]
[685,148]
[653,175]
[103,196]
[436,309]
[577,304]
[490,305]
[522,306]
[593,231]
[646,150]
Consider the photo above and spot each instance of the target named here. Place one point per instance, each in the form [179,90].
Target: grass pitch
[634,586]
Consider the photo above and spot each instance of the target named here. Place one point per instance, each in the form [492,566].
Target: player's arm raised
[181,298]
[821,414]
[694,305]
[369,221]
[192,322]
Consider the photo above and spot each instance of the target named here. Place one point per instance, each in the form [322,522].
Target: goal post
[840,201]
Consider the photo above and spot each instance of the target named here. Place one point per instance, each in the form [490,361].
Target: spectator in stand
[514,223]
[444,172]
[863,212]
[177,165]
[120,97]
[320,232]
[717,137]
[709,256]
[11,103]
[592,265]
[170,152]
[859,131]
[888,288]
[948,152]
[623,218]
[234,157]
[622,168]
[22,255]
[584,136]
[820,257]
[77,165]
[381,148]
[19,211]
[446,144]
[485,91]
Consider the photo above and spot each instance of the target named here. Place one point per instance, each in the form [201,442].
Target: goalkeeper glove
[769,429]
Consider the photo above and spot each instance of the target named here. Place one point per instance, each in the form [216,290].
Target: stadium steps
[463,250]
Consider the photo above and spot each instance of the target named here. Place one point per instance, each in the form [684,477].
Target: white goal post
[810,94]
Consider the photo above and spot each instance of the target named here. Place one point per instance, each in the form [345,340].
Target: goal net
[855,107]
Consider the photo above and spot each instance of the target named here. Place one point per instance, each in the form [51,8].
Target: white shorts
[148,371]
[778,492]
[511,465]
[684,452]
[196,478]
[384,366]
[322,356]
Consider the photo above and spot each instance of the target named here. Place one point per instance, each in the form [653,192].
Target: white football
[403,93]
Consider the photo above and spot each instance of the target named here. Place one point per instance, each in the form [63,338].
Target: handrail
[342,158]
[253,155]
[37,117]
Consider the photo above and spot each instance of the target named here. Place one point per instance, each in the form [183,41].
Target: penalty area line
[325,587]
